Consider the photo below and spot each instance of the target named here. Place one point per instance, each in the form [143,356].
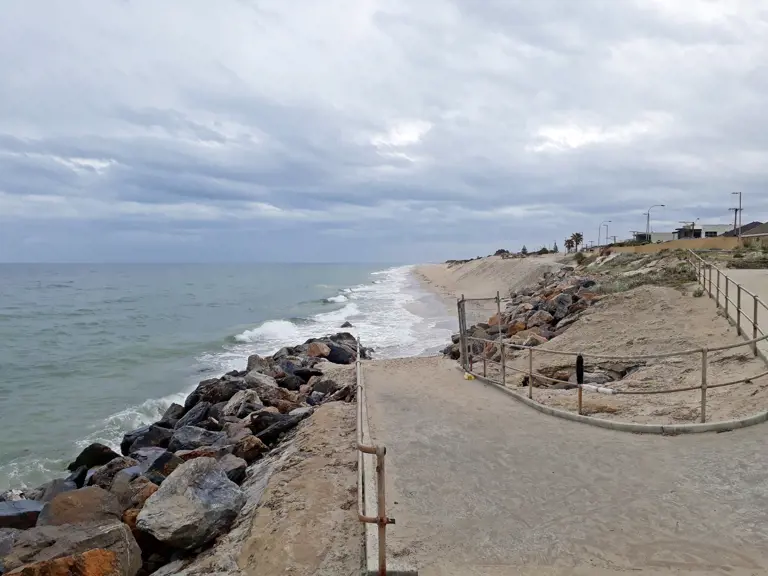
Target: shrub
[580,257]
[698,293]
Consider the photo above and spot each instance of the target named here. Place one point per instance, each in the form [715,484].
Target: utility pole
[735,215]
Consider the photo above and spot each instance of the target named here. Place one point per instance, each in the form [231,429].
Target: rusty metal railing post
[704,384]
[754,325]
[727,282]
[738,309]
[717,300]
[381,518]
[501,341]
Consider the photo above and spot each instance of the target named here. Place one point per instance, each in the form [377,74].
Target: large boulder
[214,391]
[318,350]
[559,305]
[270,393]
[540,318]
[91,504]
[93,455]
[56,487]
[103,476]
[20,514]
[340,354]
[162,467]
[290,382]
[244,400]
[91,563]
[196,504]
[172,415]
[197,414]
[326,386]
[271,434]
[249,449]
[132,492]
[191,437]
[306,373]
[46,543]
[152,435]
[259,364]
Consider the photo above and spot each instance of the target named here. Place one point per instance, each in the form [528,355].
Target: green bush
[580,257]
[698,293]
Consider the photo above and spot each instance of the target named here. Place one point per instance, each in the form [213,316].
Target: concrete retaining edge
[366,477]
[669,429]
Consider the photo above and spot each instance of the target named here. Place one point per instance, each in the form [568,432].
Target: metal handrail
[701,266]
[381,519]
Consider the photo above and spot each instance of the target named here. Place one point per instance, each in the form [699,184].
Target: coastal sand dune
[482,278]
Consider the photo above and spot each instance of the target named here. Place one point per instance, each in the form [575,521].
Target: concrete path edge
[668,429]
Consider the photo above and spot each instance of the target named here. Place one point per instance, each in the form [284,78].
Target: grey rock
[257,363]
[567,321]
[145,456]
[56,487]
[302,412]
[315,398]
[290,382]
[20,514]
[162,467]
[196,504]
[197,414]
[236,431]
[78,476]
[258,381]
[172,414]
[191,437]
[153,435]
[51,542]
[103,476]
[326,386]
[244,398]
[559,305]
[540,318]
[93,455]
[233,467]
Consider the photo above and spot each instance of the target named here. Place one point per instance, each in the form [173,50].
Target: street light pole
[606,233]
[600,230]
[648,221]
[739,193]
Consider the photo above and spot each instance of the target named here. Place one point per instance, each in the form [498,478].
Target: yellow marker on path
[468,376]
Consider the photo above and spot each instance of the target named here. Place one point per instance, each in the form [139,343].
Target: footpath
[482,485]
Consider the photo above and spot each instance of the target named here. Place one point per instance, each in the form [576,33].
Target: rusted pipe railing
[381,518]
[380,452]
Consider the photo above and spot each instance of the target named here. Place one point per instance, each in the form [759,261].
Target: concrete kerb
[669,429]
[366,475]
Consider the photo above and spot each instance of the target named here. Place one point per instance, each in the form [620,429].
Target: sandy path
[481,484]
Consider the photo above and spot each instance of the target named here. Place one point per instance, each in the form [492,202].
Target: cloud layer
[362,130]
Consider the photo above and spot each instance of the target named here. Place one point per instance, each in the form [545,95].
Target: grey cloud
[407,131]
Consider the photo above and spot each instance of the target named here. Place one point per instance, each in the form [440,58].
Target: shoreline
[218,449]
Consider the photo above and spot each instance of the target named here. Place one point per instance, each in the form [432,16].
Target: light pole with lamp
[739,193]
[606,233]
[600,231]
[648,221]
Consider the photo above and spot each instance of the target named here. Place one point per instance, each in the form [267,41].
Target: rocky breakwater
[178,484]
[532,316]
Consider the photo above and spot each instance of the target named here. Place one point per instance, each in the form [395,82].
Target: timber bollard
[580,377]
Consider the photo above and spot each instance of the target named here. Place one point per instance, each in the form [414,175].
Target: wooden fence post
[704,384]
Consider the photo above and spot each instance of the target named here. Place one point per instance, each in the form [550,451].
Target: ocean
[88,352]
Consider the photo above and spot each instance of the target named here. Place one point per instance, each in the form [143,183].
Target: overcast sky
[371,130]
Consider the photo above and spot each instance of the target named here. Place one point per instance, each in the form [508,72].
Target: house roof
[761,230]
[745,229]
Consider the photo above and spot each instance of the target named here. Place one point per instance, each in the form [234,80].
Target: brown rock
[494,320]
[534,340]
[284,406]
[305,389]
[590,297]
[540,318]
[515,327]
[91,504]
[250,448]
[132,493]
[91,563]
[318,350]
[203,452]
[129,518]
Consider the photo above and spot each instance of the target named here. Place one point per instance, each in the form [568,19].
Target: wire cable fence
[476,350]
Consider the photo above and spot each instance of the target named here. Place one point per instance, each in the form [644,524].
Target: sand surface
[483,278]
[481,484]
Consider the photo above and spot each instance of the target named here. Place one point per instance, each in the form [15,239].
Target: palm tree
[569,244]
[578,239]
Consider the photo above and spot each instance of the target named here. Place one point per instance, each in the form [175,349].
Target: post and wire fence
[486,350]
